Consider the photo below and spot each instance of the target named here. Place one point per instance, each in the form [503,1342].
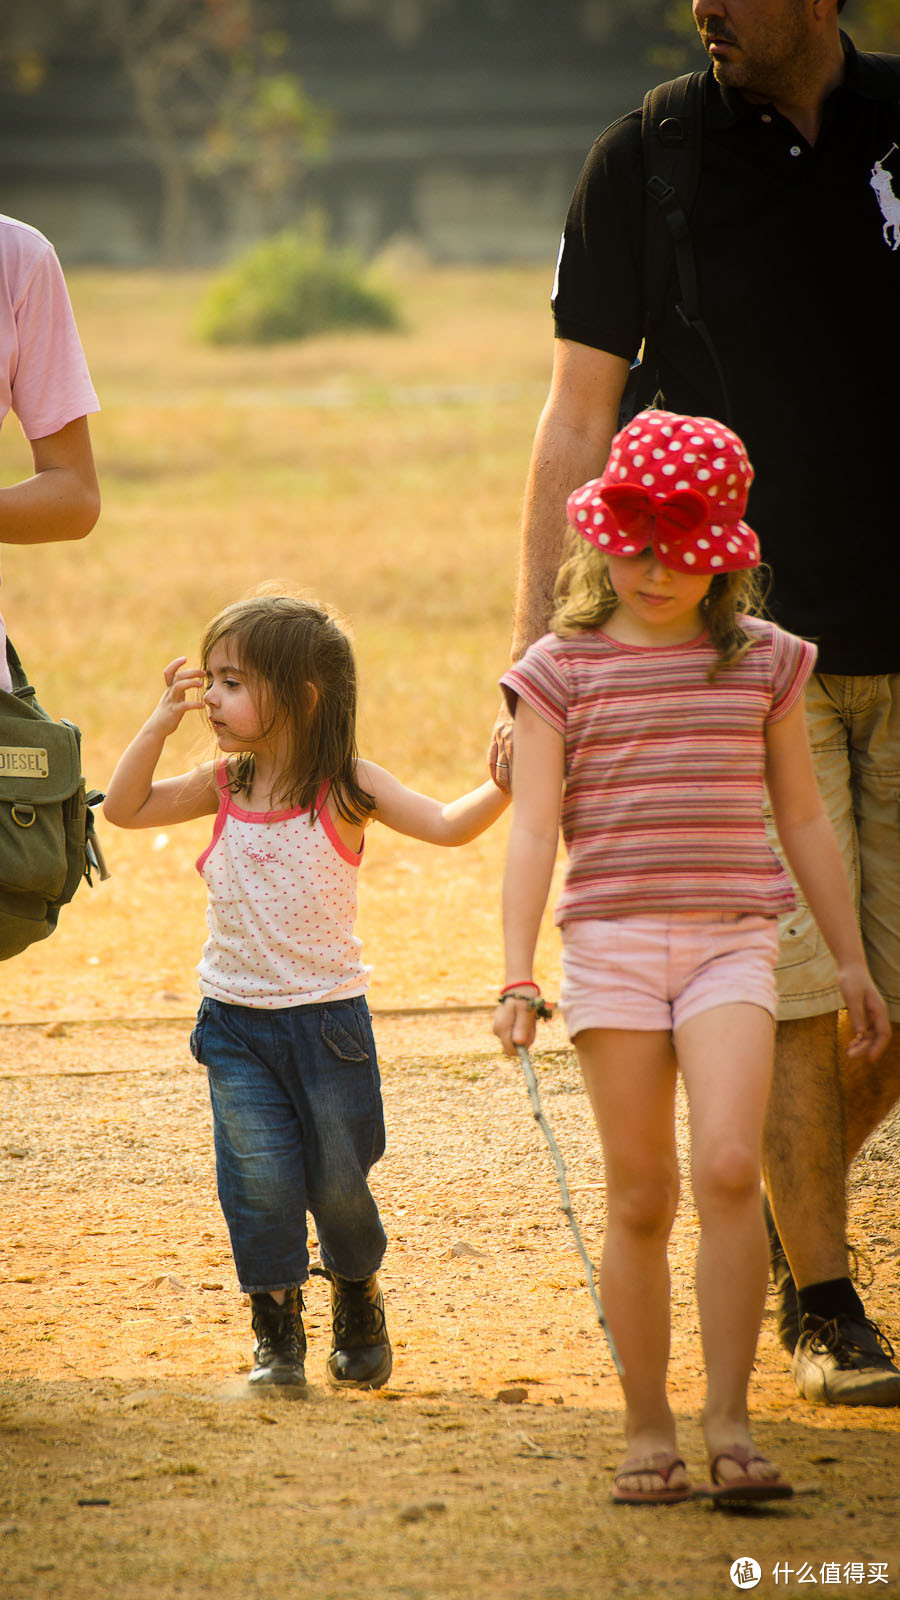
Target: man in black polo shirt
[796,235]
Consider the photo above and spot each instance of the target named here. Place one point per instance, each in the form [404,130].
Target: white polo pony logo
[882,183]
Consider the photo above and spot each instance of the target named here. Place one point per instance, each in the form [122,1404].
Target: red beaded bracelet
[525,983]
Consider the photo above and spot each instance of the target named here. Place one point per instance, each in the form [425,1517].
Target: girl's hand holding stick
[515,1020]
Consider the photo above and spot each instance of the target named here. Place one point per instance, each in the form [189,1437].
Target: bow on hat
[649,517]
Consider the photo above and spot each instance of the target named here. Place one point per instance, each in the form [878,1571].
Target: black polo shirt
[798,260]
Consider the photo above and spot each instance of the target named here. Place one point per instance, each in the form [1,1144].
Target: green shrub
[291,287]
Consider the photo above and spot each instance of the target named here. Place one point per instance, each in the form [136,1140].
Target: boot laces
[838,1342]
[358,1318]
[358,1310]
[278,1328]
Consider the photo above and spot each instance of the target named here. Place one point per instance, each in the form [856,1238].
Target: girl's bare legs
[725,1057]
[630,1079]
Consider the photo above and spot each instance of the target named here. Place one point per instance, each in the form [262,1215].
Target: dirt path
[134,1464]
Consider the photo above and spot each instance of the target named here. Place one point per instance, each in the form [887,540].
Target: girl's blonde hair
[286,644]
[584,598]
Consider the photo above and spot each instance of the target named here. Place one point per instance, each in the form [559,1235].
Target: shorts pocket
[799,938]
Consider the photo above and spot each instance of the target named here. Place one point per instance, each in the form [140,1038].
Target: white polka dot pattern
[678,484]
[281,913]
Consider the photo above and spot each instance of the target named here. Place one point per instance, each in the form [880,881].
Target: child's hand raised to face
[181,681]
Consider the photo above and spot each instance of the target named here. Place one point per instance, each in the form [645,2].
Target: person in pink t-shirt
[44,380]
[651,720]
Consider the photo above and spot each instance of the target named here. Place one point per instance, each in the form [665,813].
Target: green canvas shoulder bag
[48,844]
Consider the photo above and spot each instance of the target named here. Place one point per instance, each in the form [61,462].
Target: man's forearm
[570,446]
[48,508]
[62,500]
[563,458]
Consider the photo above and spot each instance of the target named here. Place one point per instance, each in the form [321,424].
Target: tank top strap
[225,798]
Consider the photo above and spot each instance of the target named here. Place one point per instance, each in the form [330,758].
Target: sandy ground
[134,1463]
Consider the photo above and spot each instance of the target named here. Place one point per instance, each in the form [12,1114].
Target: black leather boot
[280,1341]
[361,1350]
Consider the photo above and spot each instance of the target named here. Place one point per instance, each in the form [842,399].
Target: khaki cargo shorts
[854,731]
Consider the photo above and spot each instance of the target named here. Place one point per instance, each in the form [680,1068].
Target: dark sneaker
[280,1342]
[787,1313]
[361,1350]
[845,1361]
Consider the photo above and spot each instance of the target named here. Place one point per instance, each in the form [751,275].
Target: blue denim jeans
[298,1123]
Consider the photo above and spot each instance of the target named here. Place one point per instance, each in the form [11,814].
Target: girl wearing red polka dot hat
[283,1027]
[650,720]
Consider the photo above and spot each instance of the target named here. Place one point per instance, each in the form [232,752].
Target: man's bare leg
[840,1357]
[803,1149]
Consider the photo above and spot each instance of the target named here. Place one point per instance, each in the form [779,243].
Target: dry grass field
[383,473]
[380,472]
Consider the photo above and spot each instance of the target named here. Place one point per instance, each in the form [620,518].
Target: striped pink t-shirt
[664,771]
[282,909]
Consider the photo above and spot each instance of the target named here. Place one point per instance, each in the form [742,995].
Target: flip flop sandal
[746,1489]
[661,1465]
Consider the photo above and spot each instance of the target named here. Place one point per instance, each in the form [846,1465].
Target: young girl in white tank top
[283,1027]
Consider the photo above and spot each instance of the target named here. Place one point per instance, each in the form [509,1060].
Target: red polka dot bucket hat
[678,484]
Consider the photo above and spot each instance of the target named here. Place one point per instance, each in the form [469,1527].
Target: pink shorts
[654,972]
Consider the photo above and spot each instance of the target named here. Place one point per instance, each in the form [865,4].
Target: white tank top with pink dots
[282,908]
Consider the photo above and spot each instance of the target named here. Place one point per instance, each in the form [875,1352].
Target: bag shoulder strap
[672,149]
[16,670]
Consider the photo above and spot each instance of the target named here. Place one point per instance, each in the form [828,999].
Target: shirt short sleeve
[597,293]
[44,377]
[793,660]
[539,680]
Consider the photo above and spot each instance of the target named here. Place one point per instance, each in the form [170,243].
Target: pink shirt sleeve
[793,660]
[538,679]
[44,377]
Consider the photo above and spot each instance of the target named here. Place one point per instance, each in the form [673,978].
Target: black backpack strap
[672,146]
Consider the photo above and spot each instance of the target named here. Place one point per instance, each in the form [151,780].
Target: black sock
[834,1298]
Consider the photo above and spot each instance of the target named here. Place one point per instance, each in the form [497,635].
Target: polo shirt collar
[863,77]
[726,107]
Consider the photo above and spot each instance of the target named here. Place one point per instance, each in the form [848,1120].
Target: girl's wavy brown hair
[584,598]
[284,644]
